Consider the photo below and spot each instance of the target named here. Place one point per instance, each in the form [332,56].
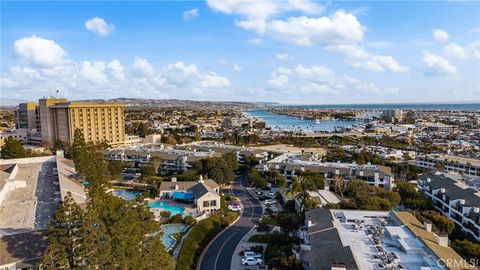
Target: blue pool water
[173,209]
[127,195]
[169,230]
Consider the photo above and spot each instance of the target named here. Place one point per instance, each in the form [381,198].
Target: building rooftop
[373,240]
[31,205]
[453,189]
[79,104]
[446,253]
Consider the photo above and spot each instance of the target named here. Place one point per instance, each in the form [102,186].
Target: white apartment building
[455,200]
[467,166]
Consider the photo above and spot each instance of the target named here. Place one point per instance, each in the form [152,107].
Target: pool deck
[188,208]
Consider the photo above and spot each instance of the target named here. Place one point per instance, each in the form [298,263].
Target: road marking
[220,251]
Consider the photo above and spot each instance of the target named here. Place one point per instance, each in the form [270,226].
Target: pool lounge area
[173,207]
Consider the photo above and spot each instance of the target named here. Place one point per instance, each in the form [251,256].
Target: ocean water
[284,122]
[404,106]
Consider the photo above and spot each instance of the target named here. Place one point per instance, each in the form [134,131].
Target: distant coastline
[404,106]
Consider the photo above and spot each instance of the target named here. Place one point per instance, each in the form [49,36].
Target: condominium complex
[57,119]
[290,165]
[455,200]
[448,163]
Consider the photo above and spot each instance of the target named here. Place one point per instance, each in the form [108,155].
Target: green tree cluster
[467,249]
[220,169]
[312,181]
[441,224]
[110,233]
[411,198]
[12,149]
[366,197]
[256,179]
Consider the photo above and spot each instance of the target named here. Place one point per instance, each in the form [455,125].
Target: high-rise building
[57,119]
[99,121]
[26,116]
[46,117]
[393,115]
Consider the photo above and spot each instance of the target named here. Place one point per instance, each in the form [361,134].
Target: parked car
[271,193]
[269,185]
[270,201]
[252,261]
[263,198]
[259,193]
[252,254]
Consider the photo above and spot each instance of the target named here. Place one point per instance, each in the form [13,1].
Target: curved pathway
[219,253]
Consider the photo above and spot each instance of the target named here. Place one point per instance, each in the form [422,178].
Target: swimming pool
[173,209]
[125,194]
[168,231]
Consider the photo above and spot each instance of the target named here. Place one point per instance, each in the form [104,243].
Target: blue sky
[291,51]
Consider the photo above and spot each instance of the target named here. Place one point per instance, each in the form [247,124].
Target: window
[213,203]
[206,204]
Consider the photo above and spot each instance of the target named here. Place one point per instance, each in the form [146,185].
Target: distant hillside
[141,102]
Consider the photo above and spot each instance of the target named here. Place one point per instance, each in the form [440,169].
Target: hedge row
[200,235]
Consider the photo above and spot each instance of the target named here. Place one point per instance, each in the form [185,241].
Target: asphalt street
[219,254]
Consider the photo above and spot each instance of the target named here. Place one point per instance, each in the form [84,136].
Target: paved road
[219,254]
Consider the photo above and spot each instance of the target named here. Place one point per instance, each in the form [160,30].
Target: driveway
[219,254]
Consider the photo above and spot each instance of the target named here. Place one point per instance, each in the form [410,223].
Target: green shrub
[200,235]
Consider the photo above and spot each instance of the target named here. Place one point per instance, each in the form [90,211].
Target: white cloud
[320,80]
[48,68]
[340,32]
[454,51]
[237,68]
[315,73]
[190,14]
[212,80]
[340,28]
[116,69]
[278,81]
[440,35]
[40,51]
[99,26]
[284,56]
[94,71]
[360,58]
[474,49]
[255,41]
[251,10]
[143,66]
[437,65]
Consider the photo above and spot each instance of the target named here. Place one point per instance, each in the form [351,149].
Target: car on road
[271,193]
[259,193]
[252,254]
[270,201]
[236,208]
[252,261]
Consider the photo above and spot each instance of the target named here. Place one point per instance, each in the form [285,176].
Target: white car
[269,201]
[235,208]
[252,261]
[271,193]
[248,254]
